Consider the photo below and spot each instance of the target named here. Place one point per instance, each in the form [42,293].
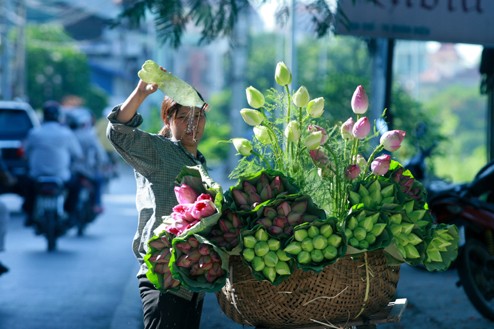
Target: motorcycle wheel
[51,230]
[476,271]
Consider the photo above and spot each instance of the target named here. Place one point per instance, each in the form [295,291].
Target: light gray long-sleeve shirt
[51,148]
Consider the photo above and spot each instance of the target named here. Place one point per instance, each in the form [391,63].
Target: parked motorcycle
[471,207]
[49,214]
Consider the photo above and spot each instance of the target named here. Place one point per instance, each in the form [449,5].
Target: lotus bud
[313,140]
[185,194]
[346,129]
[301,97]
[240,197]
[262,134]
[266,193]
[299,207]
[352,171]
[280,221]
[361,128]
[314,128]
[203,249]
[282,75]
[284,209]
[252,117]
[277,186]
[242,145]
[380,165]
[292,131]
[391,140]
[270,212]
[319,157]
[361,162]
[315,107]
[360,101]
[254,97]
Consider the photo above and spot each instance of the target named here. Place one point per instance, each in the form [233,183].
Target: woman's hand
[148,88]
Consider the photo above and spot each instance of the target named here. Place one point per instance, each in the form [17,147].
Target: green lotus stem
[367,285]
[288,116]
[268,165]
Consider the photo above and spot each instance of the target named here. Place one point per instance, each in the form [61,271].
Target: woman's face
[187,125]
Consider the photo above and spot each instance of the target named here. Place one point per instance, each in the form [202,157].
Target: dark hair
[168,109]
[51,111]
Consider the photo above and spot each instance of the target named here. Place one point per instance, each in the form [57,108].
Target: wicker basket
[335,295]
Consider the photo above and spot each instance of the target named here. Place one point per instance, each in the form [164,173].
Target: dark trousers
[72,186]
[167,311]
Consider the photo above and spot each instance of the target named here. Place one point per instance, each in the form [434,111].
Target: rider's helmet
[51,111]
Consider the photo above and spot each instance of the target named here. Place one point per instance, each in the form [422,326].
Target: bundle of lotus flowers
[197,263]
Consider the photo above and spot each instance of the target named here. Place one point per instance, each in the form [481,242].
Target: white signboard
[455,21]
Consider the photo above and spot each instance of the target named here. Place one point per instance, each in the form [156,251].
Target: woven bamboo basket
[357,286]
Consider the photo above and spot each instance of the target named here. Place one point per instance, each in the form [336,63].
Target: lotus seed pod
[319,242]
[363,244]
[313,231]
[257,264]
[359,233]
[248,254]
[412,252]
[274,244]
[348,233]
[330,252]
[269,273]
[326,230]
[293,248]
[304,257]
[261,248]
[282,268]
[370,238]
[335,240]
[307,245]
[317,255]
[270,259]
[261,235]
[282,255]
[249,241]
[378,229]
[300,235]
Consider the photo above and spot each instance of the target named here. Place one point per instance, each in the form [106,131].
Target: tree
[57,68]
[215,19]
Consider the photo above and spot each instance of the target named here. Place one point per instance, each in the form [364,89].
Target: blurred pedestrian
[157,159]
[51,149]
[6,180]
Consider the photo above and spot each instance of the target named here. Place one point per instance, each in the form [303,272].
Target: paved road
[90,282]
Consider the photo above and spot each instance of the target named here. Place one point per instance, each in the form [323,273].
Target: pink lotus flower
[319,157]
[183,212]
[391,140]
[346,129]
[352,171]
[185,194]
[202,209]
[361,128]
[316,128]
[204,196]
[360,101]
[380,165]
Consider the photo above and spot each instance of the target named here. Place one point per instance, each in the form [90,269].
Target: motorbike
[49,215]
[85,213]
[470,206]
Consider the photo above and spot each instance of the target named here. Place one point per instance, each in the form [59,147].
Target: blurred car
[17,118]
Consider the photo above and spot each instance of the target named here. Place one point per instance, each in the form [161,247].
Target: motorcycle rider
[95,157]
[51,149]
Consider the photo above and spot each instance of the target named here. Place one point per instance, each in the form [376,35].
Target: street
[90,281]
